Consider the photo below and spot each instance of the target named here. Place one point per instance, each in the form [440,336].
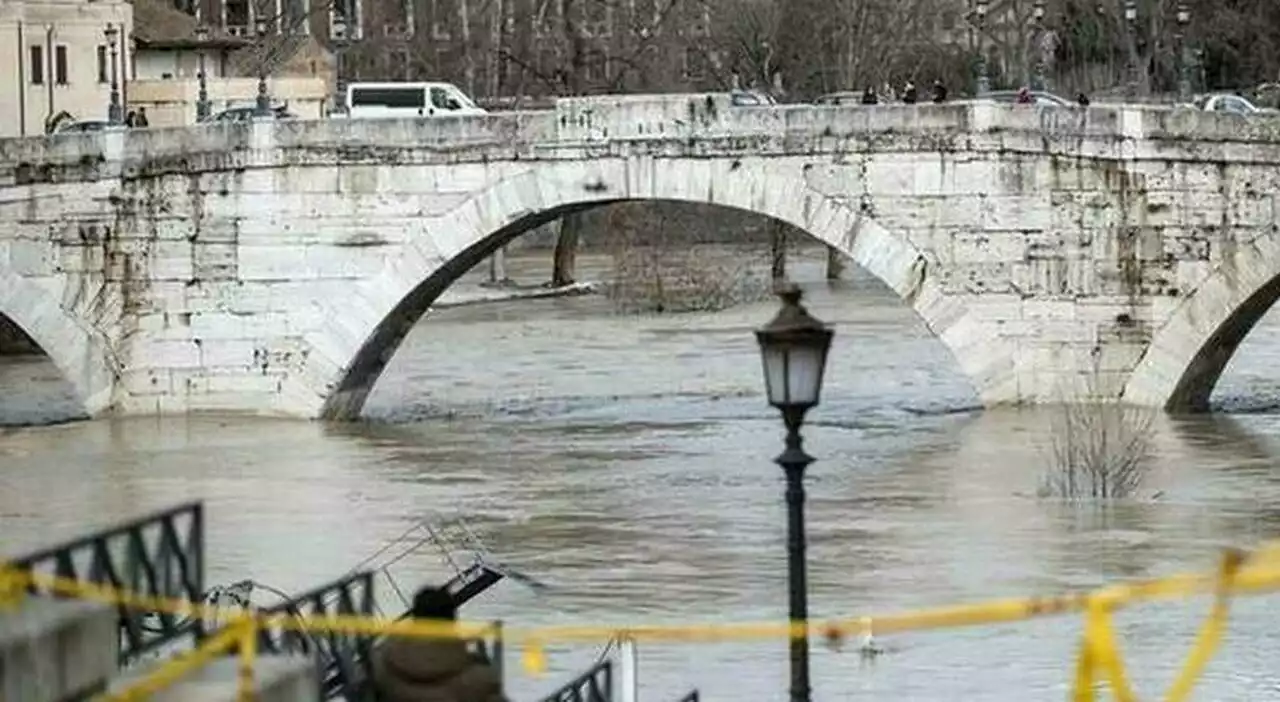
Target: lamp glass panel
[804,375]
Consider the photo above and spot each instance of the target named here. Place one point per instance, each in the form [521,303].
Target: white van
[371,100]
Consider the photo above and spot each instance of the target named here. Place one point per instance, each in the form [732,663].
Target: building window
[60,64]
[37,65]
[344,20]
[293,17]
[103,76]
[598,17]
[695,65]
[236,18]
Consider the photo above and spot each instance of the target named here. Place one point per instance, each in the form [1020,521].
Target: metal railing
[343,658]
[595,685]
[159,555]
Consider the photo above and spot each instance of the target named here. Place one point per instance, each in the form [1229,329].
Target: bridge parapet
[674,119]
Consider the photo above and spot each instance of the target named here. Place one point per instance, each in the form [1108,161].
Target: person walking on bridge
[407,669]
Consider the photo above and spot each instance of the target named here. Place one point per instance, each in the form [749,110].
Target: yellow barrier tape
[171,671]
[534,658]
[12,588]
[1251,579]
[248,657]
[1210,636]
[1099,651]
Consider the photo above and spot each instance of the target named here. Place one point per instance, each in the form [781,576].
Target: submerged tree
[1099,449]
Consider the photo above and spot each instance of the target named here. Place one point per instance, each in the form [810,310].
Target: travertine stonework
[274,267]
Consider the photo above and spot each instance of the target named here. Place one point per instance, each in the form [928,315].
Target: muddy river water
[625,460]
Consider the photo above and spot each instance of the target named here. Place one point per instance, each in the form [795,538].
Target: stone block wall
[274,267]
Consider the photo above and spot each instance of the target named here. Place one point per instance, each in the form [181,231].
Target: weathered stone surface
[275,679]
[273,268]
[54,650]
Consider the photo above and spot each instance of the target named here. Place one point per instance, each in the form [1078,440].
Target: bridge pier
[777,250]
[498,268]
[564,258]
[835,263]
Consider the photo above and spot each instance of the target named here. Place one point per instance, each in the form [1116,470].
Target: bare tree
[1099,449]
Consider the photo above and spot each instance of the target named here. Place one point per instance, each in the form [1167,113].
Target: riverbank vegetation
[1098,450]
[666,261]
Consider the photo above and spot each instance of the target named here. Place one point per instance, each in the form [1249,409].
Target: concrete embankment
[483,295]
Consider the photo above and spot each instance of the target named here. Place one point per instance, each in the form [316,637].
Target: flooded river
[626,462]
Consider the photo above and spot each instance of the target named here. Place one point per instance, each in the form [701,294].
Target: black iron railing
[159,555]
[343,658]
[595,685]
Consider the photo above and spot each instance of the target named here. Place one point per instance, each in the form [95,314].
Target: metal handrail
[160,555]
[595,685]
[345,660]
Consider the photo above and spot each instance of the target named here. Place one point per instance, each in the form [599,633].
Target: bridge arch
[79,353]
[517,204]
[1191,348]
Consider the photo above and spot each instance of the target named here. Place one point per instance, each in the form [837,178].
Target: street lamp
[1184,67]
[1037,16]
[794,349]
[984,82]
[263,106]
[203,108]
[1131,21]
[115,111]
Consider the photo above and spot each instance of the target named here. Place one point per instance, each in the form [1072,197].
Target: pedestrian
[1082,99]
[869,96]
[411,669]
[1024,96]
[909,96]
[939,92]
[140,119]
[131,119]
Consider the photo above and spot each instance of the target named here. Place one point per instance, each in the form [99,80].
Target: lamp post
[203,108]
[1184,63]
[263,106]
[1037,17]
[794,348]
[984,82]
[115,111]
[1131,23]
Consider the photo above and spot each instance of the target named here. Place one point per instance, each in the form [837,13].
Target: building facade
[492,48]
[62,56]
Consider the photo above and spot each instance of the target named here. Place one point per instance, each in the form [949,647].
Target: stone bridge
[274,267]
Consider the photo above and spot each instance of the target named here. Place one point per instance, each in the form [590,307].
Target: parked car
[407,100]
[750,98]
[1039,97]
[837,99]
[1230,103]
[247,114]
[81,126]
